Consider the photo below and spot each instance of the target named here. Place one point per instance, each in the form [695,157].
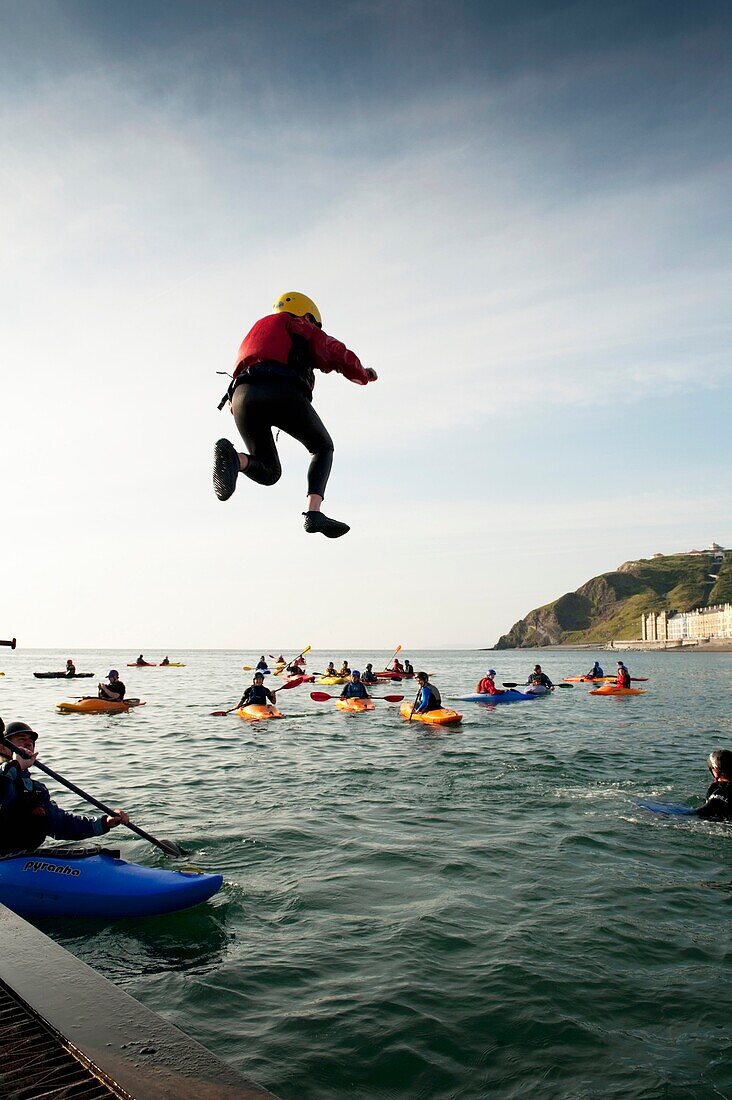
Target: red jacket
[487,687]
[271,340]
[622,680]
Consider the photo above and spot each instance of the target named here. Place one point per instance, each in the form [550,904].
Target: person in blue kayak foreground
[595,672]
[354,689]
[718,806]
[114,690]
[272,387]
[27,813]
[257,694]
[487,686]
[622,679]
[540,679]
[428,697]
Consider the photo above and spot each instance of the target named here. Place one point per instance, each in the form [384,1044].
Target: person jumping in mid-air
[272,387]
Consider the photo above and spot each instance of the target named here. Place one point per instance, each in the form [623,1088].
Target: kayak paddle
[168,846]
[414,704]
[12,643]
[323,697]
[510,684]
[386,666]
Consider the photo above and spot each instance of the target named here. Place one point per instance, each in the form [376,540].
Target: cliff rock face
[610,606]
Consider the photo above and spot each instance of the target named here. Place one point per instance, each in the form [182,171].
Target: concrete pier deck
[67,1031]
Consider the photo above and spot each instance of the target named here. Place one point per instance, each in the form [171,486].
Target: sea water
[470,911]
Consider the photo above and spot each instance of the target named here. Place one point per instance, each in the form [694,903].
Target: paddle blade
[295,682]
[219,713]
[570,686]
[172,849]
[390,698]
[320,696]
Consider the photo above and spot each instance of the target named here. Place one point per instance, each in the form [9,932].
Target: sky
[518,214]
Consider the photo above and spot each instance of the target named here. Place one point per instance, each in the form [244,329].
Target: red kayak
[394,675]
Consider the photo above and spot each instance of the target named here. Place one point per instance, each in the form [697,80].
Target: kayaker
[257,694]
[408,668]
[280,659]
[345,670]
[295,668]
[141,660]
[429,697]
[595,672]
[27,813]
[354,689]
[165,661]
[539,678]
[330,670]
[718,806]
[262,665]
[487,686]
[622,679]
[114,691]
[273,387]
[367,676]
[70,668]
[397,666]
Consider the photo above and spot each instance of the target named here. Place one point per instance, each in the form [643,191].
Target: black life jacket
[23,824]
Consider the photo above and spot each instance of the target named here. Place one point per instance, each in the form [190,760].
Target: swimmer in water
[718,806]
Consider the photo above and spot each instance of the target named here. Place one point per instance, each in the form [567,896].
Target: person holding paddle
[257,694]
[354,689]
[622,679]
[27,813]
[428,697]
[115,690]
[272,387]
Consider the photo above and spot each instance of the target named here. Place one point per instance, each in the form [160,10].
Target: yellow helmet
[299,304]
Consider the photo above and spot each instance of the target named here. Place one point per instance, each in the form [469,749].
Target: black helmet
[20,727]
[720,760]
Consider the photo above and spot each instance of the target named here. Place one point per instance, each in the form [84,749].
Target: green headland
[610,606]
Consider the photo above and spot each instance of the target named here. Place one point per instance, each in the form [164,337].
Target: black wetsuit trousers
[259,407]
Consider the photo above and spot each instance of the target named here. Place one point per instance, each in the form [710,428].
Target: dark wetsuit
[429,699]
[718,806]
[118,691]
[28,815]
[273,386]
[256,695]
[540,679]
[354,690]
[368,678]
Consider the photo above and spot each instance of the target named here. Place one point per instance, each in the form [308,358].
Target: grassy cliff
[610,606]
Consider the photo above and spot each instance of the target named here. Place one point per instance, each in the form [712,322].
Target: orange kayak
[99,706]
[255,712]
[442,717]
[355,705]
[613,689]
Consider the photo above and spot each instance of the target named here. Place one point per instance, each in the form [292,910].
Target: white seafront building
[703,624]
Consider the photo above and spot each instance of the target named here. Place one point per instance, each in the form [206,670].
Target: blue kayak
[675,809]
[96,883]
[508,696]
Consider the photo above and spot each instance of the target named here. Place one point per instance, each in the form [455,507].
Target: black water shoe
[226,469]
[317,523]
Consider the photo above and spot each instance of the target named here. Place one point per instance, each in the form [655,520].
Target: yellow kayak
[173,664]
[255,712]
[355,705]
[331,680]
[99,706]
[442,717]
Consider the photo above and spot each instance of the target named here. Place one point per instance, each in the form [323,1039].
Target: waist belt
[268,371]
